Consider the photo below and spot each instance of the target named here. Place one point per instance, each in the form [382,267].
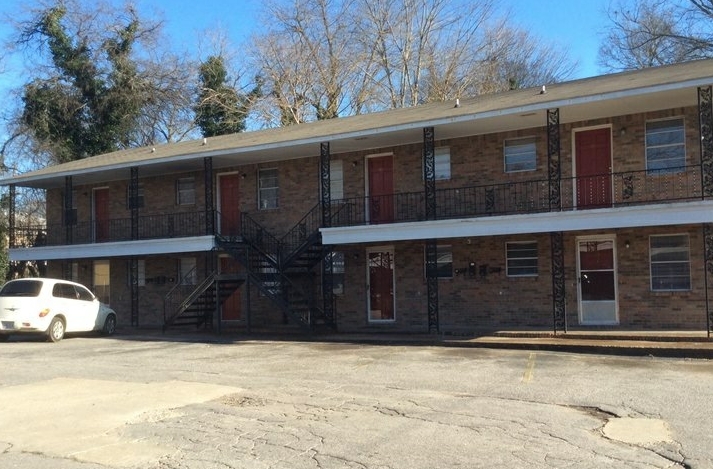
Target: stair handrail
[260,238]
[178,307]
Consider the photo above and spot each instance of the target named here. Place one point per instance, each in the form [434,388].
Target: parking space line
[529,369]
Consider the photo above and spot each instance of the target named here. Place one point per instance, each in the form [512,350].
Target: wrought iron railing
[186,290]
[172,225]
[605,190]
[597,191]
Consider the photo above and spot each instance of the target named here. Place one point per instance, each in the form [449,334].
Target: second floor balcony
[629,188]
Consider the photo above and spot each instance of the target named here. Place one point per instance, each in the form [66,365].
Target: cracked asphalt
[140,402]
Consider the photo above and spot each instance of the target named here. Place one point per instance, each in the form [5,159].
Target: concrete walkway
[679,344]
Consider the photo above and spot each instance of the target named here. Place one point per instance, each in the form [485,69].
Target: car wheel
[55,333]
[109,325]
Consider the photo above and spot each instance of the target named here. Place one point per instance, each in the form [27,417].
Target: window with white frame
[665,145]
[141,272]
[186,191]
[187,271]
[268,189]
[336,180]
[520,154]
[670,263]
[444,261]
[442,163]
[521,258]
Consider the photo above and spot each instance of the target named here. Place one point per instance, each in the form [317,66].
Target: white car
[53,307]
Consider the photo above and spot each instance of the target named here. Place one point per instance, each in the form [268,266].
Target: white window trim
[505,144]
[537,259]
[260,189]
[646,147]
[651,273]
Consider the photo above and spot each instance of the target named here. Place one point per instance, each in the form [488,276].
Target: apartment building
[578,205]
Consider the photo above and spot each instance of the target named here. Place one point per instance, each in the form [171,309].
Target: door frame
[369,250]
[367,207]
[574,158]
[615,267]
[218,200]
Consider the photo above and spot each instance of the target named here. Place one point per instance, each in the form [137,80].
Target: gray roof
[607,95]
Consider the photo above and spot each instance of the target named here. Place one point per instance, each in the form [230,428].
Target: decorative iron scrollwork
[708,272]
[134,285]
[705,114]
[134,201]
[432,285]
[559,299]
[208,183]
[429,171]
[325,182]
[11,216]
[627,190]
[553,158]
[328,289]
[489,199]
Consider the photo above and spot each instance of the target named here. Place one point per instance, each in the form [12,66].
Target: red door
[381,285]
[230,310]
[593,162]
[381,189]
[230,204]
[101,215]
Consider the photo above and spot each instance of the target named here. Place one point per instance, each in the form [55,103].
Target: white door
[596,266]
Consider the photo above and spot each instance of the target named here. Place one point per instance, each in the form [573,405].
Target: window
[187,271]
[267,189]
[521,259]
[186,191]
[444,262]
[665,145]
[520,154]
[338,272]
[442,161]
[336,180]
[670,263]
[139,197]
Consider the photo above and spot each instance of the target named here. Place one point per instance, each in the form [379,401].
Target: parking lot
[134,401]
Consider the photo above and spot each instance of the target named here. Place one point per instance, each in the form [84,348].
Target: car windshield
[22,288]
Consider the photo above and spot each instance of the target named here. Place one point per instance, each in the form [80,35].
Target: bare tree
[647,33]
[321,59]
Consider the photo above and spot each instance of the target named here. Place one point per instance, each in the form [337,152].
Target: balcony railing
[584,192]
[597,191]
[173,225]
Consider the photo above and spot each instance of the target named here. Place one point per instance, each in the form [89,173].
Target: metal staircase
[282,269]
[194,305]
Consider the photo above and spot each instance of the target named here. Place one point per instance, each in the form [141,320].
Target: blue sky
[574,24]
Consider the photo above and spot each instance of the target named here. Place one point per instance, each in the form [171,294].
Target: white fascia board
[117,249]
[596,219]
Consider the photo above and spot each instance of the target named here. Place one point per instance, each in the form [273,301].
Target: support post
[12,241]
[429,181]
[134,278]
[134,202]
[70,218]
[208,183]
[705,119]
[553,159]
[559,303]
[708,272]
[325,184]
